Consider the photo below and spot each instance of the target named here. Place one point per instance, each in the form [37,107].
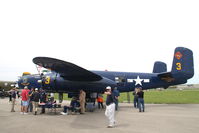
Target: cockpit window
[25,80]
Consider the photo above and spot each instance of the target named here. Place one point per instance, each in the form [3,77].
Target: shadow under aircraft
[66,77]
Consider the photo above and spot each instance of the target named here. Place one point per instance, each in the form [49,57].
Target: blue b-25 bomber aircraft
[69,78]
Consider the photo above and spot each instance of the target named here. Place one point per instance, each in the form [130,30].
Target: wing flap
[67,70]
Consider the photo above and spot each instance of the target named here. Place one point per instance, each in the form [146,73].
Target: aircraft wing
[67,70]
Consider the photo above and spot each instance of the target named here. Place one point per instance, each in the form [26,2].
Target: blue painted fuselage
[124,81]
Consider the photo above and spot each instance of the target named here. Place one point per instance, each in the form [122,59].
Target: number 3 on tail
[178,66]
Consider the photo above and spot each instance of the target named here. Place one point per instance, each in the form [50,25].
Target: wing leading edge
[67,70]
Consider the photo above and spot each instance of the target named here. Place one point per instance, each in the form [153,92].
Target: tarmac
[158,118]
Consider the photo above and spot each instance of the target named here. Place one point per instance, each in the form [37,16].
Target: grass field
[172,96]
[168,96]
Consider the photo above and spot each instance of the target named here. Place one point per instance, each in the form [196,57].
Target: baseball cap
[108,87]
[36,89]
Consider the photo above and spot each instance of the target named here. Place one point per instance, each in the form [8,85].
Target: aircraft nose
[19,82]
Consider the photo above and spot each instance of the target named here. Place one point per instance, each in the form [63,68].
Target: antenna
[38,68]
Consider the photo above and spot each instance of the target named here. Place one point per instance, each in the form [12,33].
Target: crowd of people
[30,100]
[33,98]
[112,103]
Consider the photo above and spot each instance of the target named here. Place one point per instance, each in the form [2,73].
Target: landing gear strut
[60,97]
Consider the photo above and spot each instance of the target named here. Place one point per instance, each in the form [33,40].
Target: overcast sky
[117,35]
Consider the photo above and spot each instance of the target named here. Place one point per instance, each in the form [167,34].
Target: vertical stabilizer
[159,67]
[183,63]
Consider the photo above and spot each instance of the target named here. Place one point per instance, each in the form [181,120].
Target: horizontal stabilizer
[67,70]
[166,77]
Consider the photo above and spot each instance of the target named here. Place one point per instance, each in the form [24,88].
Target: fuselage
[124,81]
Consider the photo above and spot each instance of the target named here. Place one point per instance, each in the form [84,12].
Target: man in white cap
[110,107]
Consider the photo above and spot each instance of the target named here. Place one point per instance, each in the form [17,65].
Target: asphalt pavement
[158,118]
